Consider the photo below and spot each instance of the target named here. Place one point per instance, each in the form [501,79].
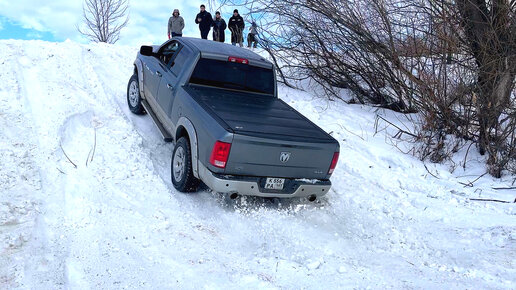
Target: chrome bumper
[251,185]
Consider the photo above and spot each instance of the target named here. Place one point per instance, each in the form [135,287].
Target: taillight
[334,162]
[219,154]
[238,60]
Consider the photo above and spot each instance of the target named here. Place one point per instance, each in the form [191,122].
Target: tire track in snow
[50,245]
[37,251]
[20,182]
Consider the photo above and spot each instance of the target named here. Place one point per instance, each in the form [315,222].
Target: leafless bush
[104,19]
[338,44]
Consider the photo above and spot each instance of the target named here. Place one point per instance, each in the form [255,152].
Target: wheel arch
[186,129]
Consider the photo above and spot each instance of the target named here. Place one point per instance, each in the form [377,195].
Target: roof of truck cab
[213,47]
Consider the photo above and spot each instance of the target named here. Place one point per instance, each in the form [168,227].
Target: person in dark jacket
[176,24]
[219,28]
[205,21]
[236,26]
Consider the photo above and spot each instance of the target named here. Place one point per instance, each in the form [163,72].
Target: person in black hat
[236,26]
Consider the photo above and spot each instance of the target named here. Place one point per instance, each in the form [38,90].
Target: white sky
[147,24]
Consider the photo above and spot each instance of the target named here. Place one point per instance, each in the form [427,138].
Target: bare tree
[104,19]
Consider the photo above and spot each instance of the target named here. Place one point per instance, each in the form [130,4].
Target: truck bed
[257,115]
[266,128]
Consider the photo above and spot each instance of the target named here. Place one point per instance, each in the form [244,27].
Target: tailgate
[272,157]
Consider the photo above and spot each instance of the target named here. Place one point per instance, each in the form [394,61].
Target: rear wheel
[182,173]
[134,99]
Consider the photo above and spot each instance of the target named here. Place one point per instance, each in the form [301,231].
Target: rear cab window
[232,75]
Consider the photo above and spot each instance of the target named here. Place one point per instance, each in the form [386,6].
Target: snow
[115,220]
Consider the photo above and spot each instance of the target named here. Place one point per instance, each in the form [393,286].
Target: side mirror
[146,50]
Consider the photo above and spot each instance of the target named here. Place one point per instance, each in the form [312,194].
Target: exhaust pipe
[234,195]
[312,197]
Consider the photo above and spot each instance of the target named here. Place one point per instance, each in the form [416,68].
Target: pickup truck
[220,105]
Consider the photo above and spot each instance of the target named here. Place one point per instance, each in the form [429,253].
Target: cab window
[167,52]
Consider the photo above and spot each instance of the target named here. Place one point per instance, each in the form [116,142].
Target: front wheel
[182,173]
[134,100]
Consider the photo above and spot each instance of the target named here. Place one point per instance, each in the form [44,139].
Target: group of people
[206,22]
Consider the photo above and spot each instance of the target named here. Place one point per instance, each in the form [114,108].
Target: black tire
[185,181]
[134,99]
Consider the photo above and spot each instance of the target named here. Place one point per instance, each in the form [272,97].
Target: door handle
[158,73]
[170,87]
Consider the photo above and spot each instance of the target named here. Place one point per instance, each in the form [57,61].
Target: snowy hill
[114,219]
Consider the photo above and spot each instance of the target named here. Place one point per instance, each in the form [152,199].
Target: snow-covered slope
[115,220]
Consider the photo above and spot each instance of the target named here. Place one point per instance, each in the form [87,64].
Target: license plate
[274,183]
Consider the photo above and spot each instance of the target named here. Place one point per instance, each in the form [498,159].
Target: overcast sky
[55,20]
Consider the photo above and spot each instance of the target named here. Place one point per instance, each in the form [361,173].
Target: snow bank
[113,220]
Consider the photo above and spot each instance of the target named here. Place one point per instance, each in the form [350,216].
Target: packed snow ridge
[112,219]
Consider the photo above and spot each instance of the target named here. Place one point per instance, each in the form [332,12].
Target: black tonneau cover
[256,115]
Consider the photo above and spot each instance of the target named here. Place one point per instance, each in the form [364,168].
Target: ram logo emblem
[284,157]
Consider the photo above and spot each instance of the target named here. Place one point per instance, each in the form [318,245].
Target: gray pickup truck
[220,105]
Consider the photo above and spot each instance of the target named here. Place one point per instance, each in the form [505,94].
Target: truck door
[152,73]
[168,85]
[156,68]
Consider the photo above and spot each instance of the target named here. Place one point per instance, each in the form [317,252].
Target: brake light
[238,60]
[334,162]
[219,154]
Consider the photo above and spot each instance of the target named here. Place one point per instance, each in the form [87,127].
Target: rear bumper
[245,185]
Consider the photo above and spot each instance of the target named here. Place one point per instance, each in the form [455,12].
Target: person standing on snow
[236,26]
[252,37]
[176,24]
[219,27]
[205,21]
